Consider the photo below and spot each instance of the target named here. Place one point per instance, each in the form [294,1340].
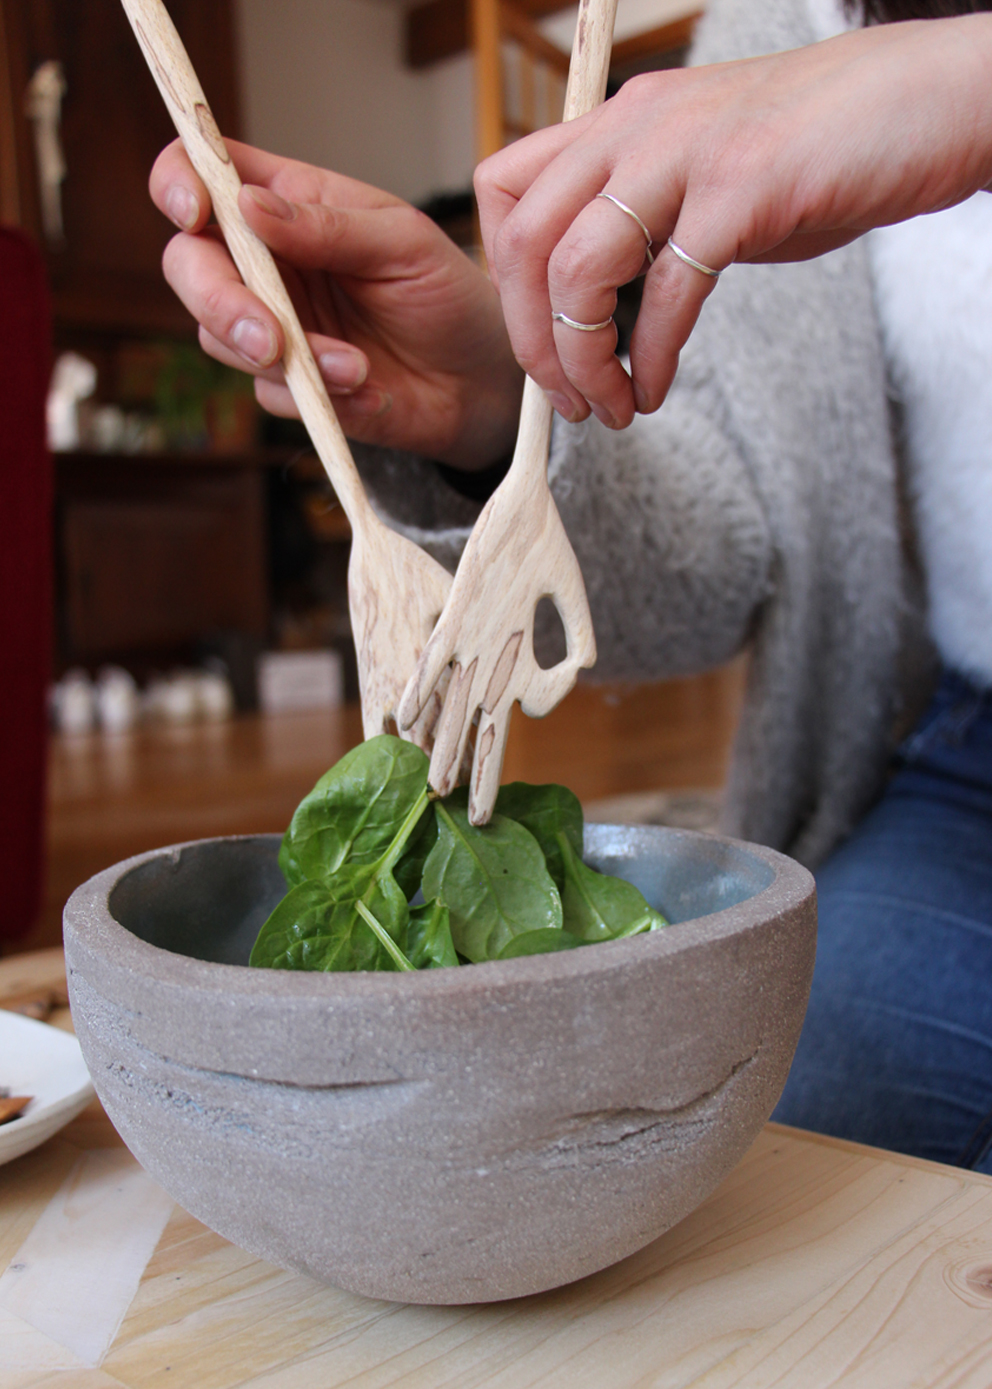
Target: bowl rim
[90,927]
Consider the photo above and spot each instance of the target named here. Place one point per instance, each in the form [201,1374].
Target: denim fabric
[896,1050]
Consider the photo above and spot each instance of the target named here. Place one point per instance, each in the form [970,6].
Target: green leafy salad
[384,875]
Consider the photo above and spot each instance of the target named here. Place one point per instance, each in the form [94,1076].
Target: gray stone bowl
[460,1135]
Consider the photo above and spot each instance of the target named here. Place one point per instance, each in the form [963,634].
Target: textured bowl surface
[459,1135]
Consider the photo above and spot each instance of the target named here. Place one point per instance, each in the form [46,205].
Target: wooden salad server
[517,554]
[395,589]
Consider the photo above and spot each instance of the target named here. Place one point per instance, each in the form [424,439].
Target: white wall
[324,81]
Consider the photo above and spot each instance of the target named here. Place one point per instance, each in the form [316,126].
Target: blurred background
[174,626]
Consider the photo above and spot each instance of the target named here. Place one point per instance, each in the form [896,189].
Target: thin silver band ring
[631,213]
[696,264]
[582,327]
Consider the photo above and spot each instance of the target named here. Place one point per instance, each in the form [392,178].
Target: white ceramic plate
[41,1061]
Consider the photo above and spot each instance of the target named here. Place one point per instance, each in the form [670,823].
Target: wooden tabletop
[817,1263]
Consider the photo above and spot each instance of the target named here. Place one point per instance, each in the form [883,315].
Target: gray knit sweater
[759,508]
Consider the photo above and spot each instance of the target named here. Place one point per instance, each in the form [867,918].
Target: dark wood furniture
[158,554]
[106,273]
[154,554]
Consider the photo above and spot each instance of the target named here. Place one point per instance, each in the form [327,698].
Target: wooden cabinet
[159,555]
[106,270]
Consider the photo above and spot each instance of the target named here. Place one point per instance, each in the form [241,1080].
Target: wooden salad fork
[517,554]
[395,589]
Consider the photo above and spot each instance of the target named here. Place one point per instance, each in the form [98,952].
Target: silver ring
[631,213]
[582,327]
[696,264]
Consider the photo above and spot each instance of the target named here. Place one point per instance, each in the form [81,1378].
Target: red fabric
[25,577]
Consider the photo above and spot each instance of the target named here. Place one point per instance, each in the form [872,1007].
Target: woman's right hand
[775,158]
[407,331]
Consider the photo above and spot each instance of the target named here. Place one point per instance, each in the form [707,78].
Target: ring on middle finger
[634,217]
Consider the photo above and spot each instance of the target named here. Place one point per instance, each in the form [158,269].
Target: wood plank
[518,26]
[10,192]
[666,38]
[435,30]
[817,1263]
[489,106]
[439,29]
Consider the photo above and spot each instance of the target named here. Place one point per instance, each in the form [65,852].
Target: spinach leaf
[538,943]
[355,810]
[428,937]
[410,867]
[493,880]
[599,907]
[399,960]
[546,811]
[375,886]
[310,929]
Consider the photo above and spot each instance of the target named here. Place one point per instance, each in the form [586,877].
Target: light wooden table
[817,1263]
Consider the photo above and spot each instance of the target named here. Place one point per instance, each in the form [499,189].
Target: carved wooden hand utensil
[395,589]
[517,554]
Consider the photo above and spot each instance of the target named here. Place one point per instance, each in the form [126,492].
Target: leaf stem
[383,937]
[393,854]
[638,927]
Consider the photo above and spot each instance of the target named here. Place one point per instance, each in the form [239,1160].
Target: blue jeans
[896,1050]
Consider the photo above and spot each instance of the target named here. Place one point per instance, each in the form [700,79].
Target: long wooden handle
[193,119]
[589,68]
[587,76]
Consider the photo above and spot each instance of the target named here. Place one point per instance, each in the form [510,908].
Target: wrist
[488,428]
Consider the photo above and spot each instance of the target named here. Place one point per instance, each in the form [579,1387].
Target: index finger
[178,191]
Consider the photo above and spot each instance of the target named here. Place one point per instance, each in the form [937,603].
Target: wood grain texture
[395,589]
[517,555]
[816,1265]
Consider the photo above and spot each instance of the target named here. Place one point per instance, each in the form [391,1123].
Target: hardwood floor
[113,796]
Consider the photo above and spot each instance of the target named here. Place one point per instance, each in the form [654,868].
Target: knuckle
[641,88]
[569,268]
[486,178]
[511,243]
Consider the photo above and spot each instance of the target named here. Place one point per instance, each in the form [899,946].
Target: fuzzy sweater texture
[760,508]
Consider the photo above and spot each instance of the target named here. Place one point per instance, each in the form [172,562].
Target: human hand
[775,158]
[407,332]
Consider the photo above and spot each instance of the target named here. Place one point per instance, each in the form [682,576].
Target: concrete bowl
[460,1135]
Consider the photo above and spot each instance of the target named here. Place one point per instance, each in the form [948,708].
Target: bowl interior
[208,900]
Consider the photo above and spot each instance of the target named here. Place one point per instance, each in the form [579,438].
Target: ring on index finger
[686,259]
[582,327]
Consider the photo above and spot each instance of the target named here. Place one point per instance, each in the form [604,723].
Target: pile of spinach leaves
[385,876]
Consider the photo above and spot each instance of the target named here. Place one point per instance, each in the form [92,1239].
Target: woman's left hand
[775,158]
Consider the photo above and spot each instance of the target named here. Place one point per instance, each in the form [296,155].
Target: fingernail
[182,206]
[346,370]
[271,202]
[255,341]
[371,403]
[641,399]
[603,415]
[565,407]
